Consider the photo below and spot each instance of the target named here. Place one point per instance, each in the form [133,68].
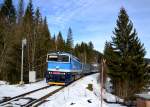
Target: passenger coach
[62,68]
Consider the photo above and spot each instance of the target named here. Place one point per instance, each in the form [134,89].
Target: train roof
[63,53]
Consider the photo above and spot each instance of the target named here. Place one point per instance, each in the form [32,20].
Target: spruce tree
[125,59]
[20,11]
[28,23]
[46,45]
[90,52]
[47,36]
[69,43]
[7,27]
[60,42]
[38,28]
[54,46]
[8,12]
[28,17]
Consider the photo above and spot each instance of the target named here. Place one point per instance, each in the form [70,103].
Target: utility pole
[102,80]
[24,42]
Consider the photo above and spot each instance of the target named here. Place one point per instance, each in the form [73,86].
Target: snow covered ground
[75,95]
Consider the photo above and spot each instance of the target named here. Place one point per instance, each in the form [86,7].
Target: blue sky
[94,20]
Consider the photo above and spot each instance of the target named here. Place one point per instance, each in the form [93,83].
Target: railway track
[7,101]
[24,100]
[42,100]
[28,99]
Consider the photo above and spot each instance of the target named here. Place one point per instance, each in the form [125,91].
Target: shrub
[90,87]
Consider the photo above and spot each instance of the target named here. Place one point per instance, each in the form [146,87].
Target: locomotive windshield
[58,58]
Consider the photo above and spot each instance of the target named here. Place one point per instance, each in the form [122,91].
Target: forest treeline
[19,23]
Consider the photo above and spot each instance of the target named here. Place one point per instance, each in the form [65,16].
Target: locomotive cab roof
[63,53]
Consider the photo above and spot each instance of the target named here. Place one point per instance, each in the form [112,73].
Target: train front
[58,69]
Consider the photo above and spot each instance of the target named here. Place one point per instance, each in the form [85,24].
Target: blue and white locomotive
[62,68]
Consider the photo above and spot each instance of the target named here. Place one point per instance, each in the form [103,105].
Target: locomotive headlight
[52,56]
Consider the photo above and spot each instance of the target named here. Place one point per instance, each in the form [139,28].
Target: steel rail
[21,95]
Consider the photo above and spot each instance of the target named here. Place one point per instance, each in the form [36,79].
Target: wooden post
[102,80]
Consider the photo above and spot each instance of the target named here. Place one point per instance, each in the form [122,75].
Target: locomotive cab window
[52,58]
[63,58]
[60,58]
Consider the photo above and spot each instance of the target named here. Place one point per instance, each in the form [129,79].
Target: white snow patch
[43,92]
[3,83]
[14,90]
